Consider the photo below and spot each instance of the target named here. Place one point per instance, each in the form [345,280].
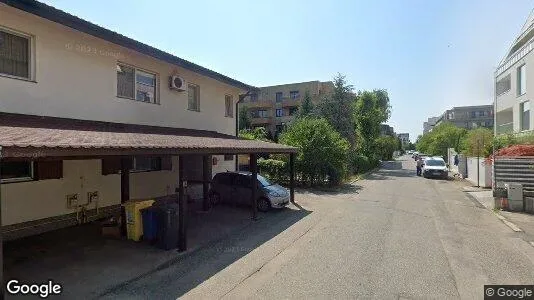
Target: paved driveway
[391,236]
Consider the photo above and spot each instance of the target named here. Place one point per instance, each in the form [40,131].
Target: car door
[226,187]
[244,190]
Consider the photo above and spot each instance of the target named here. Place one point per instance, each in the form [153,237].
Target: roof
[55,15]
[32,136]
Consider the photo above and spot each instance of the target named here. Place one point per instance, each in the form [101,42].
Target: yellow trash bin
[134,221]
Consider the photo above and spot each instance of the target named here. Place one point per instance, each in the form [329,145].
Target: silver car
[235,187]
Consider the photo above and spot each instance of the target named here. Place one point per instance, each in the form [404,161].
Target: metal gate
[515,170]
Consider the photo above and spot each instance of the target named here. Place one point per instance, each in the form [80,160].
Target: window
[521,80]
[228,157]
[142,164]
[136,84]
[524,108]
[16,171]
[450,116]
[193,95]
[229,106]
[294,94]
[503,85]
[259,114]
[14,54]
[253,97]
[279,96]
[473,114]
[279,112]
[293,111]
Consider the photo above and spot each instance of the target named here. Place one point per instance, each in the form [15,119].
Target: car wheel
[264,205]
[214,198]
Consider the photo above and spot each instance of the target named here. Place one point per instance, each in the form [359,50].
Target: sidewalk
[524,221]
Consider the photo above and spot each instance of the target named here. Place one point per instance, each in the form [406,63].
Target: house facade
[469,117]
[78,100]
[404,137]
[514,85]
[386,130]
[274,107]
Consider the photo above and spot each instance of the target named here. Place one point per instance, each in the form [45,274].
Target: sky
[430,55]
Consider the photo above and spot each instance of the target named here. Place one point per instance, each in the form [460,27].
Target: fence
[478,172]
[515,170]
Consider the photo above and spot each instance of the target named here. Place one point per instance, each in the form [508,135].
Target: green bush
[478,142]
[275,170]
[385,146]
[322,154]
[361,163]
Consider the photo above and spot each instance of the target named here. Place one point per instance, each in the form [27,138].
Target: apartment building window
[13,171]
[450,116]
[259,114]
[473,114]
[524,108]
[293,111]
[253,97]
[229,106]
[135,84]
[503,85]
[294,94]
[521,80]
[279,112]
[144,164]
[15,54]
[193,97]
[279,96]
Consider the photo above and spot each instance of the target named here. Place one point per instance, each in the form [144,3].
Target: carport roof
[24,136]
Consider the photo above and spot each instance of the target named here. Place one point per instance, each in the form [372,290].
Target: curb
[508,223]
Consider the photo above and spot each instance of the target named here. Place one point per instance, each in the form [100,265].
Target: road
[390,236]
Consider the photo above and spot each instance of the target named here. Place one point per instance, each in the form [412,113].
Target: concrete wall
[76,77]
[485,179]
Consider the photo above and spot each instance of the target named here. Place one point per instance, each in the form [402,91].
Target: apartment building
[404,137]
[90,119]
[513,84]
[274,107]
[386,130]
[429,124]
[469,117]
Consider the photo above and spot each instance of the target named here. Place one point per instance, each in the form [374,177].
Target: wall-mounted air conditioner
[177,83]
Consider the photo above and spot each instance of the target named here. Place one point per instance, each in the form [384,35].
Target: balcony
[505,128]
[519,54]
[259,104]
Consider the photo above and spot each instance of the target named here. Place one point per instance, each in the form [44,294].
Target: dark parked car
[235,187]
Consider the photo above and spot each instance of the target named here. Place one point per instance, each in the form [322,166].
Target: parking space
[87,263]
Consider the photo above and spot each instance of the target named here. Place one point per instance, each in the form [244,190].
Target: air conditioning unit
[177,83]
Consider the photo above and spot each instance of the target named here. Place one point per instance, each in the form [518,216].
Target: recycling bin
[134,222]
[150,223]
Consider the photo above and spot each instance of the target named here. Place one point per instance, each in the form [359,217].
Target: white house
[90,118]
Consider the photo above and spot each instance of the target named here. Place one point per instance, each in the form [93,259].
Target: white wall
[485,179]
[78,84]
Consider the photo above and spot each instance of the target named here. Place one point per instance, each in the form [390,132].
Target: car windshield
[435,162]
[263,181]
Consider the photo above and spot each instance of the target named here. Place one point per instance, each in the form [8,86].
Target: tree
[478,142]
[385,146]
[367,120]
[383,105]
[337,108]
[244,118]
[306,108]
[322,152]
[258,133]
[444,136]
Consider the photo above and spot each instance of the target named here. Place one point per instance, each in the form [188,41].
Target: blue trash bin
[150,226]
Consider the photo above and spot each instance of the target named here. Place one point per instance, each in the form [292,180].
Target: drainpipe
[241,99]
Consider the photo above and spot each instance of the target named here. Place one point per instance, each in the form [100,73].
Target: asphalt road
[391,236]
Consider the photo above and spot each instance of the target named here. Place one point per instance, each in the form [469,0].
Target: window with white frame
[135,84]
[13,171]
[521,80]
[193,96]
[279,112]
[15,54]
[229,106]
[144,164]
[294,94]
[524,109]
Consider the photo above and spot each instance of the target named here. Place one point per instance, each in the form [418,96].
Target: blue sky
[429,55]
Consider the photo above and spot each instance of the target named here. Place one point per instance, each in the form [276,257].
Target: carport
[55,139]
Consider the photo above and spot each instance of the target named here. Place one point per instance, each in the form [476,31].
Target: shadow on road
[391,169]
[346,188]
[192,269]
